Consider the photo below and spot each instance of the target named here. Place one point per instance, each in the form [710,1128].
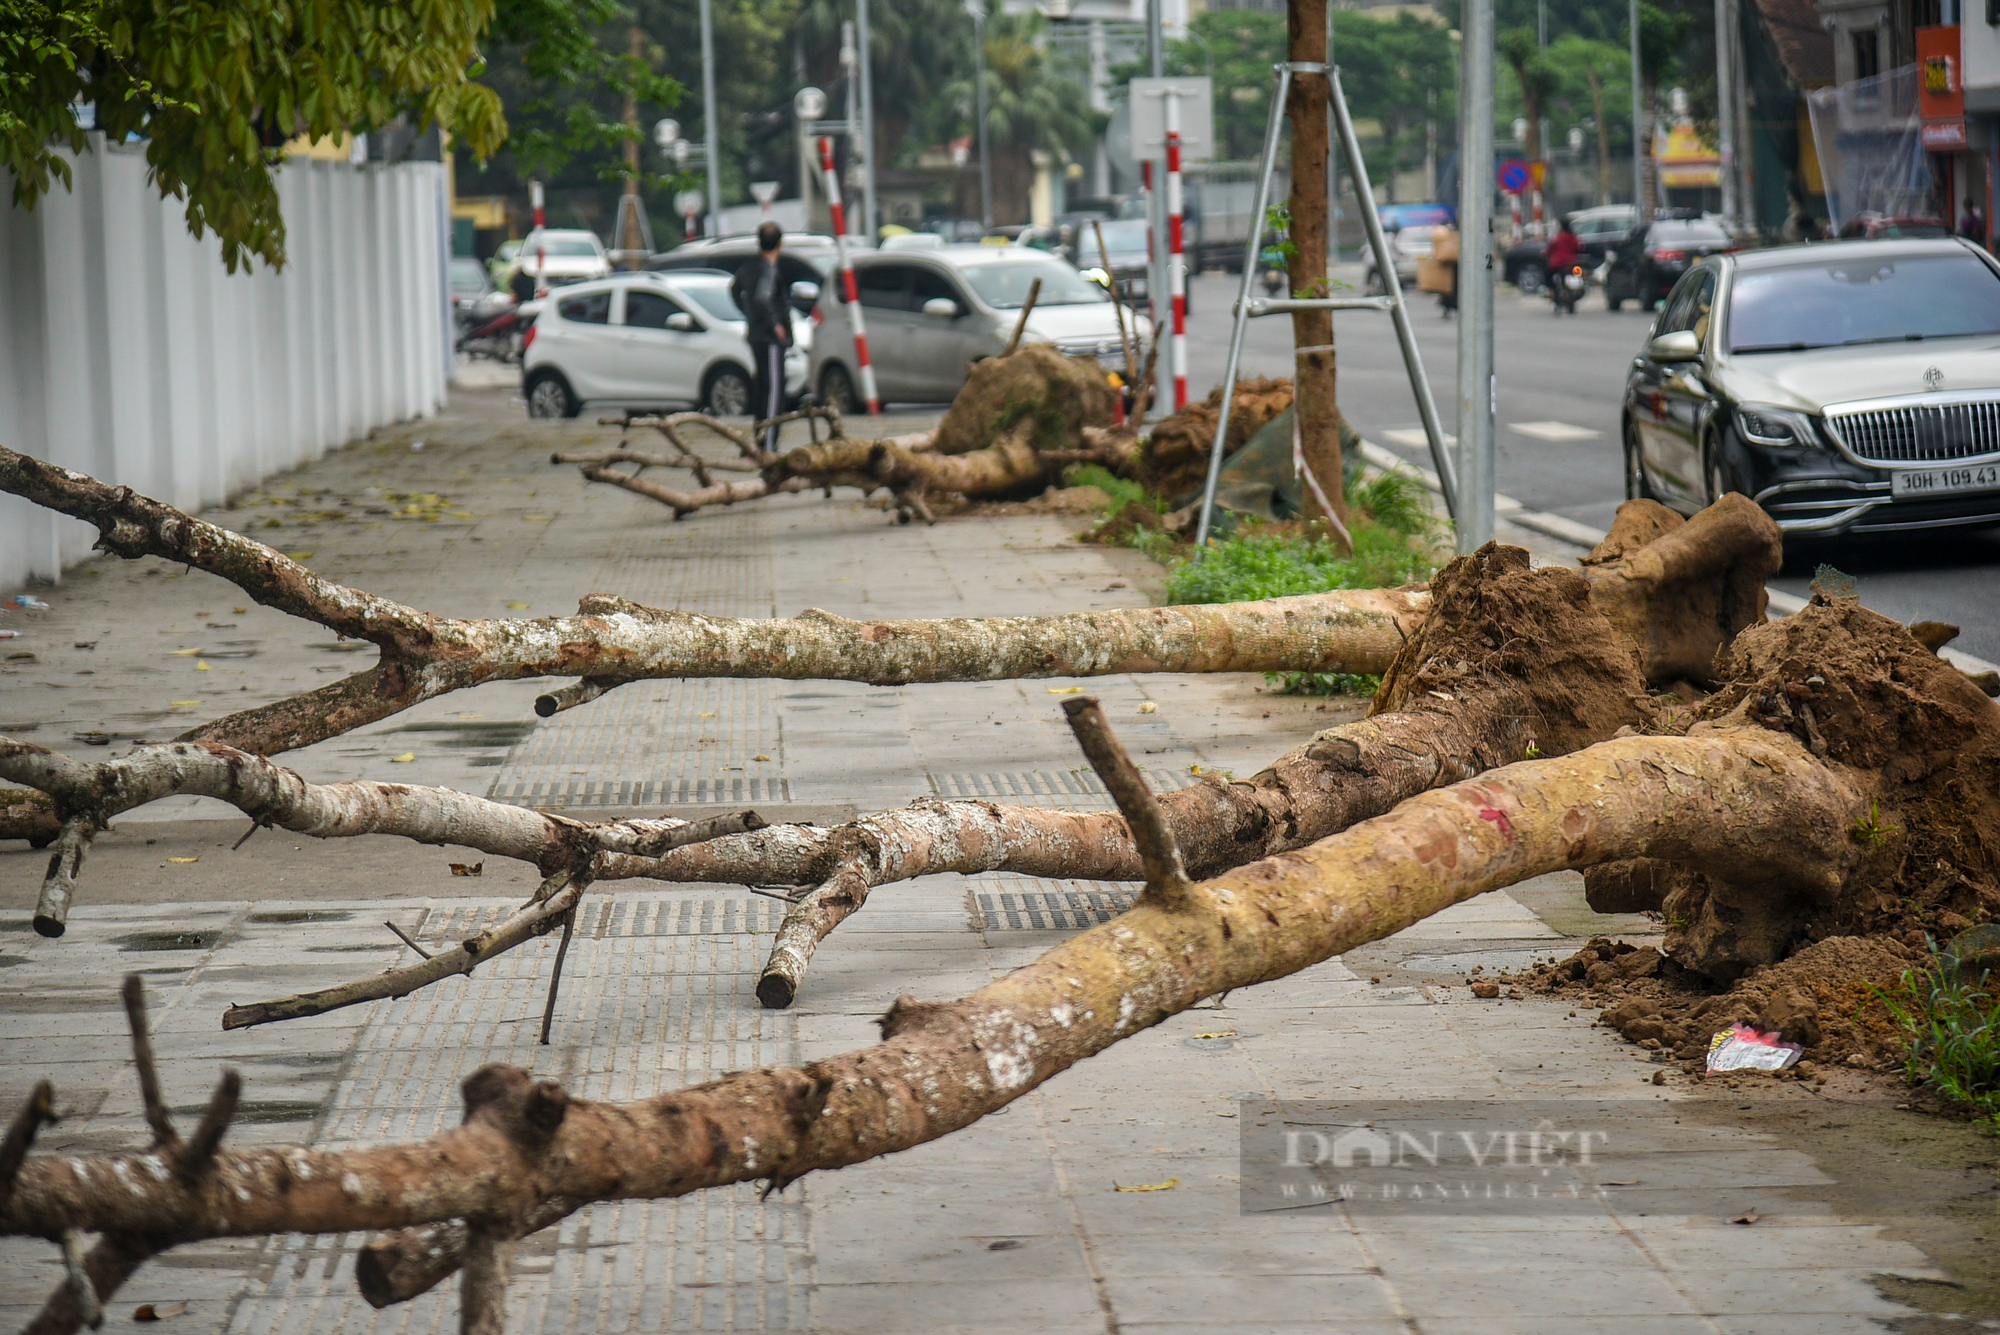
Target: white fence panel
[127,351]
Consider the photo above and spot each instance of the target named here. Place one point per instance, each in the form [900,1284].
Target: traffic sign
[1539,169]
[687,203]
[1196,96]
[1513,176]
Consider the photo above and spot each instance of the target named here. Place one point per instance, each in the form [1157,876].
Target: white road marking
[1413,438]
[1557,431]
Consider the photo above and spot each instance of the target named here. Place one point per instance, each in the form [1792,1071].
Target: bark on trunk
[1312,331]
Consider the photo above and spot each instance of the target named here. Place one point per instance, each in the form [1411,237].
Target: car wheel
[727,393]
[1718,478]
[1376,287]
[1637,488]
[1530,279]
[836,388]
[1612,301]
[549,395]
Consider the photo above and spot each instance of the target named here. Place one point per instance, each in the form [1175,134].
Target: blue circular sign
[1514,176]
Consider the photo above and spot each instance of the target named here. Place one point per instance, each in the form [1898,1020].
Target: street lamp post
[1641,207]
[708,119]
[977,8]
[866,135]
[1474,514]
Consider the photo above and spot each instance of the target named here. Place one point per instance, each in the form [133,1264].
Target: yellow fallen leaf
[201,665]
[707,713]
[536,519]
[186,653]
[1147,707]
[760,757]
[468,869]
[300,556]
[1194,769]
[1167,1185]
[183,704]
[1220,1033]
[403,759]
[463,715]
[241,611]
[184,859]
[1065,690]
[517,606]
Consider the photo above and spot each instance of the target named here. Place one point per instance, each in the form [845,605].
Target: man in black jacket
[759,289]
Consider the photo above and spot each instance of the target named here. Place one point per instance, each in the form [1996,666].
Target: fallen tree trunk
[88,795]
[1754,800]
[424,655]
[1511,662]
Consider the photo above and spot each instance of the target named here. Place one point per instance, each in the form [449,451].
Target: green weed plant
[1950,1020]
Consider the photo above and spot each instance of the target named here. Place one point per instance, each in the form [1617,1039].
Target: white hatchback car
[646,340]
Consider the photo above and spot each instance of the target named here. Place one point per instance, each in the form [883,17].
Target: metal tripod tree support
[1392,302]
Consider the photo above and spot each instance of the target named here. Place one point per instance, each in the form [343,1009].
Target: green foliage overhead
[1398,73]
[216,89]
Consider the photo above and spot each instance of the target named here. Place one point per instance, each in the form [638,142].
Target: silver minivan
[932,313]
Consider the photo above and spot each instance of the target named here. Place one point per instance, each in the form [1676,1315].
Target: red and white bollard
[541,253]
[1176,271]
[866,368]
[1514,214]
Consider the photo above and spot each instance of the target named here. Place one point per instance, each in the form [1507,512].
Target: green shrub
[1951,1022]
[1253,564]
[1390,521]
[1122,491]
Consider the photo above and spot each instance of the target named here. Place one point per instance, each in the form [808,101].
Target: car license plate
[1915,483]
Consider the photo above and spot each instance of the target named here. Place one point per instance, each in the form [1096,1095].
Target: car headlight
[1778,427]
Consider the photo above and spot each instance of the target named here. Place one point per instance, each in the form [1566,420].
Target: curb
[1586,537]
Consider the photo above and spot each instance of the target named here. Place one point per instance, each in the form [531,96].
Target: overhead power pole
[1475,275]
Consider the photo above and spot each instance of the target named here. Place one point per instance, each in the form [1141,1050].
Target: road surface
[1557,435]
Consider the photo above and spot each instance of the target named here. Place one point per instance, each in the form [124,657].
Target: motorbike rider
[1564,247]
[759,291]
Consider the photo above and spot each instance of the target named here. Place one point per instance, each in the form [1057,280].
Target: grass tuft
[1951,1023]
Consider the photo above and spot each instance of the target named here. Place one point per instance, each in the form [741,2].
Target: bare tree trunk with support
[1317,399]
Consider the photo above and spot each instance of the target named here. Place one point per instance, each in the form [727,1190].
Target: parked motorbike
[502,338]
[1566,289]
[1273,279]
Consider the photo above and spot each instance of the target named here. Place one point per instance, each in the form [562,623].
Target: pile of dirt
[1824,998]
[1529,639]
[1062,394]
[1175,461]
[1912,731]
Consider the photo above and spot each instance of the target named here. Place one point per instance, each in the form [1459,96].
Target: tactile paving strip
[1064,906]
[653,999]
[617,915]
[1071,787]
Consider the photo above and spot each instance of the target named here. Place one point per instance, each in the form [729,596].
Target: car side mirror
[941,308]
[1679,346]
[681,322]
[805,293]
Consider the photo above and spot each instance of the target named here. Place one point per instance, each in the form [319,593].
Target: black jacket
[761,294]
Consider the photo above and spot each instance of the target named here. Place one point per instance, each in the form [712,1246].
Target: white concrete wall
[128,352]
